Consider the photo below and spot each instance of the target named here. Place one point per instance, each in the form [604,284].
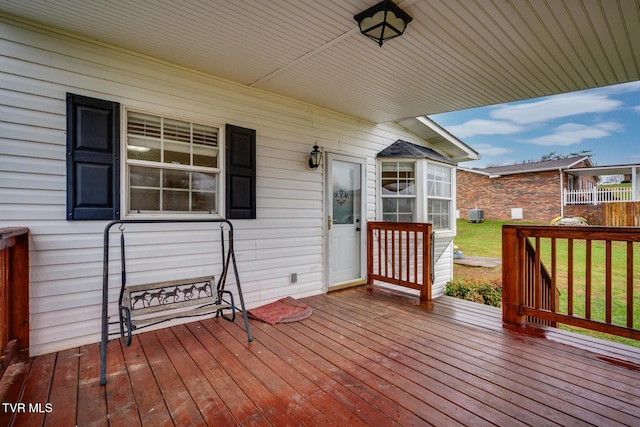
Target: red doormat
[284,310]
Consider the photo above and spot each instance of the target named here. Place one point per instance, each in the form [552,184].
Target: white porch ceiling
[455,54]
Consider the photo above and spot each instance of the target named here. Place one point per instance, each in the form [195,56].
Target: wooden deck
[365,357]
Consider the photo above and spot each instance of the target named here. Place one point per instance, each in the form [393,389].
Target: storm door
[344,221]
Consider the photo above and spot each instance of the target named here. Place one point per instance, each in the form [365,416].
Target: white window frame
[416,185]
[422,197]
[448,199]
[126,163]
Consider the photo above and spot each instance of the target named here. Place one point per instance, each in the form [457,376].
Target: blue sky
[604,120]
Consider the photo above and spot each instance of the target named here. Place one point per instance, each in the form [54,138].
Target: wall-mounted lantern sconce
[383,21]
[314,157]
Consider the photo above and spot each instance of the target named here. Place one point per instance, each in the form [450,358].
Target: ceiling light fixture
[383,21]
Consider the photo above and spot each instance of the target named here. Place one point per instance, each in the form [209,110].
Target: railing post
[369,253]
[425,292]
[14,286]
[512,292]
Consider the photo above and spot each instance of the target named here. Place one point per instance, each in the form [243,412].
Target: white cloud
[574,133]
[491,150]
[484,127]
[555,107]
[637,109]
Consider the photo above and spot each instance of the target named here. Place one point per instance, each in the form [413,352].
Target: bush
[476,291]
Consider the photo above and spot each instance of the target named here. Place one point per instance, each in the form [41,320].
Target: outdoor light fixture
[383,21]
[314,157]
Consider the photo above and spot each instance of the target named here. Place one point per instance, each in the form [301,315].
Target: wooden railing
[14,293]
[400,254]
[593,267]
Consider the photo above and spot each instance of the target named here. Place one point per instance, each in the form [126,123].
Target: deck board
[62,397]
[367,356]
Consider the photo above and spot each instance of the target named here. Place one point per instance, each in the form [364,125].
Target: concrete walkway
[478,261]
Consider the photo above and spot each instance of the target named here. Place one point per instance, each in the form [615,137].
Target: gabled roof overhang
[440,139]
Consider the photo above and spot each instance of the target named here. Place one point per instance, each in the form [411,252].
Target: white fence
[596,196]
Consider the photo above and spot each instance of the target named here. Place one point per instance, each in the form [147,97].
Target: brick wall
[594,214]
[538,194]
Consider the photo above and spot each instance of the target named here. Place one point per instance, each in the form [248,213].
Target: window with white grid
[439,199]
[173,166]
[398,191]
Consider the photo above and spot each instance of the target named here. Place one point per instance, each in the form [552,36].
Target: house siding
[538,194]
[40,66]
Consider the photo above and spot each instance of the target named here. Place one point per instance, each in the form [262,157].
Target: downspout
[561,193]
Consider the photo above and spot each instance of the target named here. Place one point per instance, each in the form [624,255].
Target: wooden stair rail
[544,294]
[14,292]
[524,277]
[400,254]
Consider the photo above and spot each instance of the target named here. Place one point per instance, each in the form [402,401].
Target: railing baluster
[570,276]
[537,276]
[587,289]
[386,251]
[608,291]
[379,234]
[400,233]
[554,277]
[408,262]
[393,253]
[630,284]
[415,256]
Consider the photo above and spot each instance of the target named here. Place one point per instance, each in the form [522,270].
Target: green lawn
[485,239]
[623,194]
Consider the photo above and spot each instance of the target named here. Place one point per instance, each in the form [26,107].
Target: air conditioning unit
[475,215]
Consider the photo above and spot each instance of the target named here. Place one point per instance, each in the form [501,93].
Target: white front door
[344,221]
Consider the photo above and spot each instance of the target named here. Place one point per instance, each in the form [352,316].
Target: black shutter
[240,146]
[93,156]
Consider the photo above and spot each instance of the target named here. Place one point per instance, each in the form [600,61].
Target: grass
[621,185]
[485,239]
[618,191]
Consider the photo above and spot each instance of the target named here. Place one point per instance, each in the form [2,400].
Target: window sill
[172,216]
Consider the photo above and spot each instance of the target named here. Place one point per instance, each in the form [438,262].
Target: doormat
[284,310]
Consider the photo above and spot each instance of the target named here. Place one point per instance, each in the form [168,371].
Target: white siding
[40,67]
[443,270]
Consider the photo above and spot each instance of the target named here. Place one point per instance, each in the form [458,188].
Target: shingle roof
[533,166]
[406,149]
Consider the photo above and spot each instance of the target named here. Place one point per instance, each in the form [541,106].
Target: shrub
[477,291]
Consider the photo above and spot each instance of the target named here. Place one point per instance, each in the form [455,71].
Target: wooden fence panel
[622,214]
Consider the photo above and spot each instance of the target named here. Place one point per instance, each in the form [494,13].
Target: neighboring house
[531,191]
[613,205]
[167,128]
